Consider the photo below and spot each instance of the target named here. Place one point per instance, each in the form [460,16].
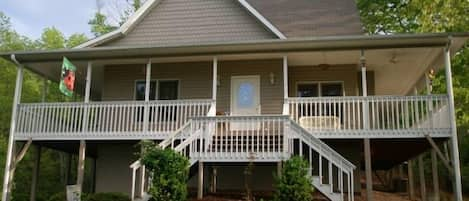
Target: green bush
[93,197]
[170,173]
[294,183]
[63,197]
[107,197]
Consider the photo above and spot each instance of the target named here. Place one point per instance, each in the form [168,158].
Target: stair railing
[172,141]
[334,162]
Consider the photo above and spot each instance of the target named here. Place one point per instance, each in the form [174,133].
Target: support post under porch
[366,141]
[36,169]
[200,181]
[454,134]
[11,139]
[423,189]
[82,150]
[410,180]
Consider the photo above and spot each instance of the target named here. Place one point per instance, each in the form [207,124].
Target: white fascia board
[125,28]
[101,39]
[262,19]
[138,16]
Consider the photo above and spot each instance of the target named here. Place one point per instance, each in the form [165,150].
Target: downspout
[8,176]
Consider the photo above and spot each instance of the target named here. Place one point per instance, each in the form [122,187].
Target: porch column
[452,117]
[366,141]
[11,140]
[286,108]
[146,113]
[82,150]
[213,107]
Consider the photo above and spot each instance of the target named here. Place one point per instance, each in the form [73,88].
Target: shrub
[63,197]
[107,197]
[294,183]
[170,173]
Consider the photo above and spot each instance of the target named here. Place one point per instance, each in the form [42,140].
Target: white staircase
[259,138]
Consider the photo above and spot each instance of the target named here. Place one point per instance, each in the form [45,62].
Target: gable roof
[173,8]
[307,18]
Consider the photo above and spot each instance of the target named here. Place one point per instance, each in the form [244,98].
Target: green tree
[170,172]
[417,16]
[75,40]
[294,182]
[52,38]
[50,181]
[99,25]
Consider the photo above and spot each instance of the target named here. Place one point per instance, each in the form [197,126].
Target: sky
[30,17]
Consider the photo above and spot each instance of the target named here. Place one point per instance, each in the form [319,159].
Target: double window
[167,90]
[318,89]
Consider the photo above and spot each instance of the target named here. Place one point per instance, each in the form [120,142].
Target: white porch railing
[388,116]
[106,120]
[261,139]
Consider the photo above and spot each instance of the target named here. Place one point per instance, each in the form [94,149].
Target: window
[317,89]
[167,90]
[140,90]
[308,90]
[331,89]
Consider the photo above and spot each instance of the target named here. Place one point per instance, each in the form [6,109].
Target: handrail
[107,120]
[164,144]
[178,101]
[393,97]
[170,139]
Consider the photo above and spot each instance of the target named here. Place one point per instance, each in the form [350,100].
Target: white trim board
[262,19]
[125,28]
[133,20]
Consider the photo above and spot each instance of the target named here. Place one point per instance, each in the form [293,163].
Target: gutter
[13,58]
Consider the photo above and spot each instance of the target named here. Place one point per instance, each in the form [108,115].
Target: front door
[245,95]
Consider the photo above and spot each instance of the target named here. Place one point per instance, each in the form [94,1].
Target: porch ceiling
[399,61]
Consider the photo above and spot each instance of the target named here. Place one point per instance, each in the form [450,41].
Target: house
[228,82]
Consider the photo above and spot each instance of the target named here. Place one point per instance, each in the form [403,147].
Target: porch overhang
[333,43]
[415,52]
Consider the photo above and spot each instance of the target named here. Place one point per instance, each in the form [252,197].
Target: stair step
[325,189]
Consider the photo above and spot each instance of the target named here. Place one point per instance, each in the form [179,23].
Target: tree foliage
[121,10]
[294,182]
[52,160]
[170,172]
[417,16]
[99,25]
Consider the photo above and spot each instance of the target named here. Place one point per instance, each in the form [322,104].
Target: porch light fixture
[272,78]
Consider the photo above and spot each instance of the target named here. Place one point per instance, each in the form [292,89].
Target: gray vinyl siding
[271,95]
[195,79]
[175,22]
[344,73]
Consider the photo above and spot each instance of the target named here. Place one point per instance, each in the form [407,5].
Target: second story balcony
[325,117]
[152,92]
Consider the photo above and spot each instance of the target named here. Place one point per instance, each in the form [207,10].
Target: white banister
[106,120]
[372,116]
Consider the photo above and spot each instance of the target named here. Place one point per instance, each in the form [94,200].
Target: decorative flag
[67,83]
